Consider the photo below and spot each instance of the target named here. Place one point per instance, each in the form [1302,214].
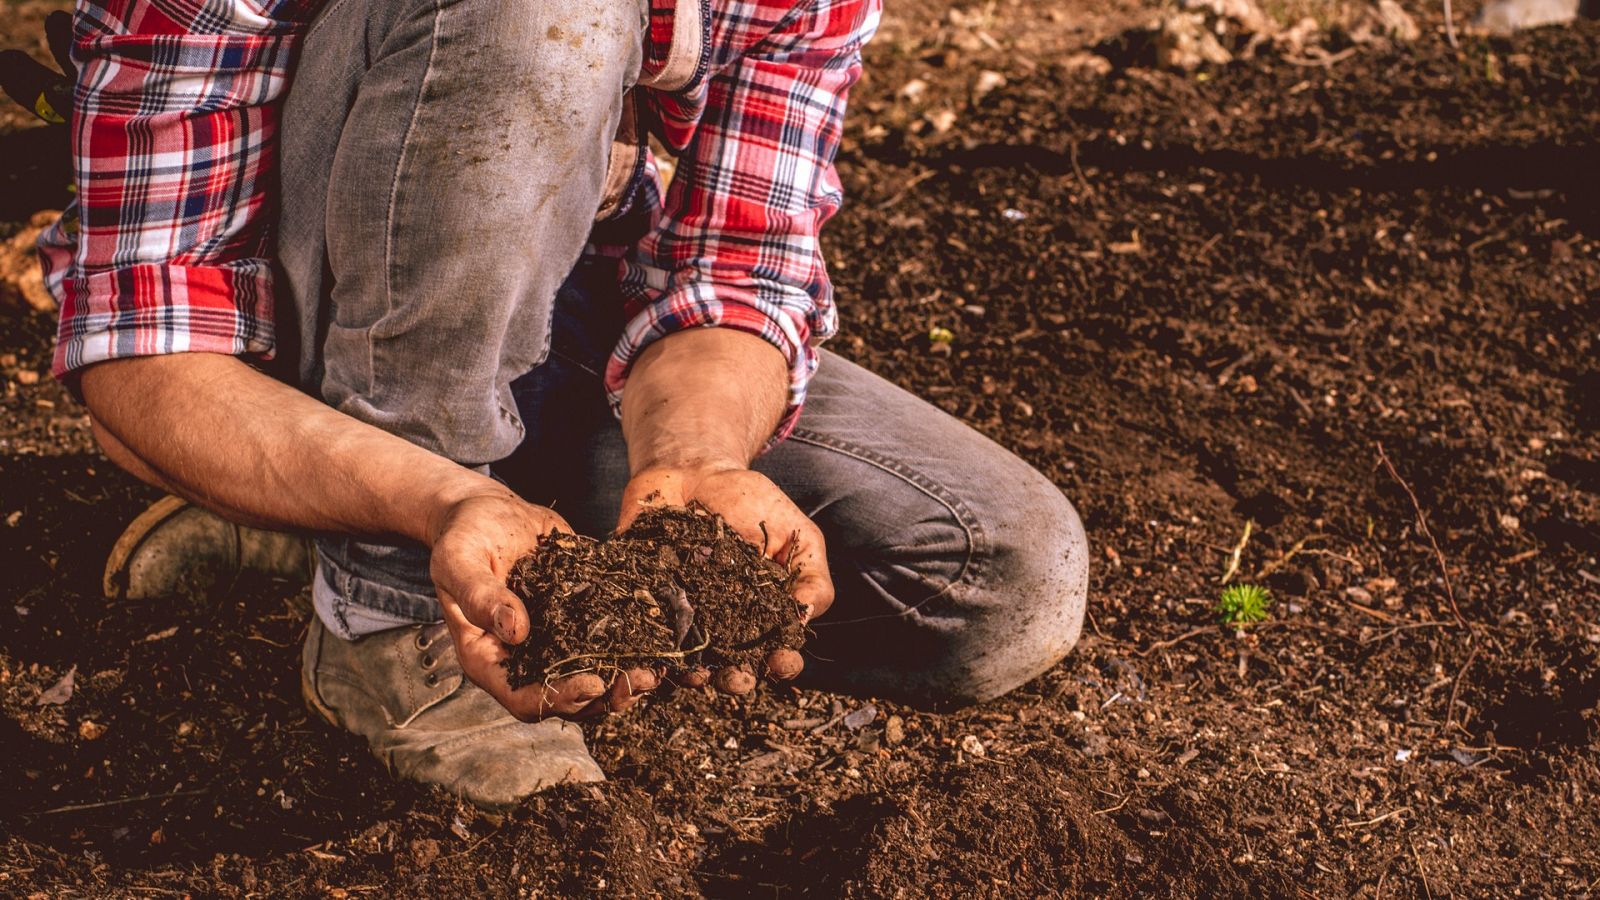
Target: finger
[629,686]
[695,677]
[784,664]
[807,555]
[734,680]
[568,698]
[625,691]
[483,655]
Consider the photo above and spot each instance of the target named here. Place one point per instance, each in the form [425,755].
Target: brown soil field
[1354,302]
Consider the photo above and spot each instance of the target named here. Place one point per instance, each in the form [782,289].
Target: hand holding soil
[485,618]
[678,592]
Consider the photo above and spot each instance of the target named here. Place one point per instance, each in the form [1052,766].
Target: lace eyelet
[432,680]
[422,641]
[428,662]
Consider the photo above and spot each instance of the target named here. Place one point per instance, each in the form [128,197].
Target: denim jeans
[441,165]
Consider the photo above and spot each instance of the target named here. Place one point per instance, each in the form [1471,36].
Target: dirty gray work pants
[441,164]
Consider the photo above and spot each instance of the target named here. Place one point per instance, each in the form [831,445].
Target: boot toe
[519,761]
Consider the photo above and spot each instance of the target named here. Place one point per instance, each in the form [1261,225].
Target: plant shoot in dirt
[1243,604]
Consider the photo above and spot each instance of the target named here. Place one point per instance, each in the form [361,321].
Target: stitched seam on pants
[327,13]
[394,198]
[977,540]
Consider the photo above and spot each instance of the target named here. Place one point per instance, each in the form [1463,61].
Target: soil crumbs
[1194,302]
[677,589]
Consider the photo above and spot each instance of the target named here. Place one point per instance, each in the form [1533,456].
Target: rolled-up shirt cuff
[154,309]
[705,308]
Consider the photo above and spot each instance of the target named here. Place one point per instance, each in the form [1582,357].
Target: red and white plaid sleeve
[736,245]
[166,247]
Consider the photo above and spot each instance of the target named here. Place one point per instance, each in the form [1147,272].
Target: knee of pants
[1033,594]
[1019,609]
[992,589]
[557,60]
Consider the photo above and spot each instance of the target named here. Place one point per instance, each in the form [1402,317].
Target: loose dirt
[1193,301]
[677,590]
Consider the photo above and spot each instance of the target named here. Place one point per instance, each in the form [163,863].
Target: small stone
[971,746]
[26,376]
[1086,63]
[90,730]
[894,731]
[1184,42]
[61,691]
[424,851]
[914,89]
[988,81]
[861,718]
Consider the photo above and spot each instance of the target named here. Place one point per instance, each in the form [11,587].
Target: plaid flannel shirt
[168,246]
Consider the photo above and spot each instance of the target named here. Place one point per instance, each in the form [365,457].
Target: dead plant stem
[1422,522]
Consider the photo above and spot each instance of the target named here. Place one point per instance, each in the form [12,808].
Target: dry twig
[1422,522]
[1365,822]
[1450,710]
[1238,551]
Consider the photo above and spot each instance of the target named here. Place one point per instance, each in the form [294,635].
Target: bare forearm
[214,430]
[706,397]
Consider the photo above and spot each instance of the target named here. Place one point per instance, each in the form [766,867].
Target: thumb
[496,610]
[480,595]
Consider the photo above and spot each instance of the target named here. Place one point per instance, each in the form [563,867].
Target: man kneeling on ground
[405,276]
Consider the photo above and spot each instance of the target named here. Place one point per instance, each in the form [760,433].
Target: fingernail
[505,622]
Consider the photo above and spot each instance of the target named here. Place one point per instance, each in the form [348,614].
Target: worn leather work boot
[175,548]
[404,691]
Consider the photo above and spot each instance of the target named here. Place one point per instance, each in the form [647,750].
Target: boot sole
[115,580]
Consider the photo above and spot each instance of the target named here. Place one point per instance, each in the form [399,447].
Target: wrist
[447,494]
[689,465]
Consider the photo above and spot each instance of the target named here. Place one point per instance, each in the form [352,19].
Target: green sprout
[1243,604]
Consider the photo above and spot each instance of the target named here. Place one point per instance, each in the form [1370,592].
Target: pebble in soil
[679,589]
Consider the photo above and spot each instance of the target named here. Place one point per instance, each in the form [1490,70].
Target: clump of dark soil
[603,837]
[1019,825]
[1030,827]
[1547,696]
[678,589]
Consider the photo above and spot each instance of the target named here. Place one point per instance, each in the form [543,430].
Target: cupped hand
[760,513]
[475,542]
